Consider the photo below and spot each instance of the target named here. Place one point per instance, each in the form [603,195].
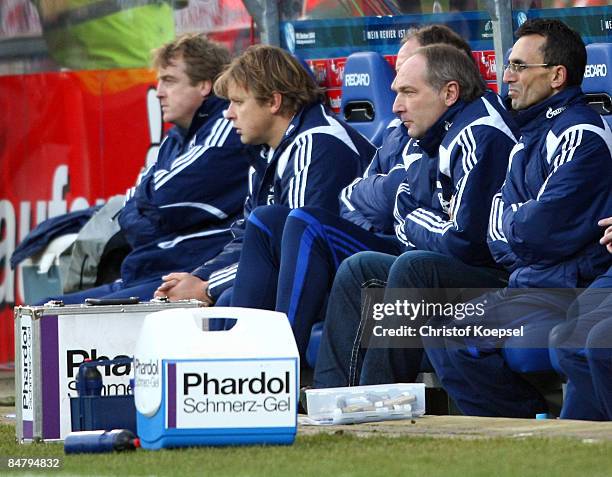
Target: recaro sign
[357,79]
[596,71]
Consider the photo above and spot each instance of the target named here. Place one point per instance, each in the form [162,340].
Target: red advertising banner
[67,141]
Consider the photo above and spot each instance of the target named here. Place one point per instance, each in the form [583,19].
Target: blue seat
[529,353]
[367,98]
[597,82]
[313,345]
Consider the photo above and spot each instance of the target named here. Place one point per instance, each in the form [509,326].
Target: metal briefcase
[51,341]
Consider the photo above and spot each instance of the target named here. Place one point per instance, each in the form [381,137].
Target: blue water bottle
[96,442]
[89,379]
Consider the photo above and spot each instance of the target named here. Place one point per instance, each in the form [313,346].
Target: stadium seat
[367,98]
[313,345]
[597,84]
[529,353]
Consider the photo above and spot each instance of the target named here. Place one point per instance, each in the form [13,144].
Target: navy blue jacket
[543,225]
[317,157]
[368,201]
[469,145]
[182,208]
[48,230]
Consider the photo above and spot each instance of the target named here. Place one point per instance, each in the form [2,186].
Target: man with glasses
[543,224]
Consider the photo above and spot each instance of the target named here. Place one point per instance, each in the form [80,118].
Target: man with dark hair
[558,45]
[467,135]
[430,34]
[543,225]
[182,207]
[307,158]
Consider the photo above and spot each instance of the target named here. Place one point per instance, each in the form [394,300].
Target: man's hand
[607,238]
[183,286]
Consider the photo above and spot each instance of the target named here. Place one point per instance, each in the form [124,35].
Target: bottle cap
[543,415]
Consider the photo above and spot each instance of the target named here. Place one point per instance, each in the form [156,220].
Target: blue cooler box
[213,388]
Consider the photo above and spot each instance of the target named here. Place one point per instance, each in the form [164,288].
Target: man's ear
[558,76]
[276,102]
[451,93]
[205,88]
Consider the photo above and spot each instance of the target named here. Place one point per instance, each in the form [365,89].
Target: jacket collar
[432,139]
[297,121]
[211,106]
[541,114]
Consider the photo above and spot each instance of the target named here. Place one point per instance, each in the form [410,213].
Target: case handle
[133,300]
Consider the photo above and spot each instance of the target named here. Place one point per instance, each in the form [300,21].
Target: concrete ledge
[465,427]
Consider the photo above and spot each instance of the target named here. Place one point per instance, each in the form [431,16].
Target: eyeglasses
[520,67]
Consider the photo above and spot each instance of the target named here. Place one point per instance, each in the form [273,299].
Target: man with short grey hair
[467,134]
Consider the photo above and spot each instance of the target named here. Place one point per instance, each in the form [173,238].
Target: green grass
[341,455]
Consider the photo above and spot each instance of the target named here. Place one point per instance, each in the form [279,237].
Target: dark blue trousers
[583,349]
[345,358]
[599,356]
[289,260]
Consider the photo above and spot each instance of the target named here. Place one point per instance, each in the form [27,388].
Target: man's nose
[397,105]
[508,76]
